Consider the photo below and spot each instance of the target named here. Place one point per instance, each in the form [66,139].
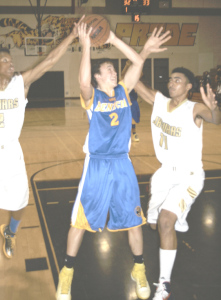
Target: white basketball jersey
[12,110]
[176,138]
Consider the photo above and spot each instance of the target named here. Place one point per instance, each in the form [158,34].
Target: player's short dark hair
[191,78]
[95,69]
[4,50]
[189,75]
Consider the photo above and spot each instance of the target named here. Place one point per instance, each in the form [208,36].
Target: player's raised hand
[75,28]
[156,40]
[208,97]
[84,34]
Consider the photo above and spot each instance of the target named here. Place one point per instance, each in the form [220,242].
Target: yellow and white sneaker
[64,284]
[138,274]
[135,137]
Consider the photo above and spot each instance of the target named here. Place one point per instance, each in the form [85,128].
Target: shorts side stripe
[78,210]
[191,192]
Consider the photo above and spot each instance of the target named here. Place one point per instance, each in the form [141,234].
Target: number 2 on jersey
[163,141]
[2,125]
[114,118]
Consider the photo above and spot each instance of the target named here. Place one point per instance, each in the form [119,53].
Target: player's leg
[9,232]
[138,273]
[167,253]
[134,134]
[75,237]
[172,217]
[14,193]
[126,213]
[164,220]
[86,215]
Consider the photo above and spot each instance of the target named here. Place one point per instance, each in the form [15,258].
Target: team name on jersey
[166,128]
[107,107]
[8,103]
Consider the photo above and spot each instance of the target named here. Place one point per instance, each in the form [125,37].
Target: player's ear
[96,76]
[189,86]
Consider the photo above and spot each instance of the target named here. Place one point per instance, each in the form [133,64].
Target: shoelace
[160,290]
[66,283]
[10,241]
[142,279]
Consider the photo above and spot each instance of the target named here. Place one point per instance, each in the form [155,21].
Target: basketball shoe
[142,285]
[64,284]
[135,137]
[163,291]
[9,241]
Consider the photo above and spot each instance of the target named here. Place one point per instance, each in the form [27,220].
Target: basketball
[100,31]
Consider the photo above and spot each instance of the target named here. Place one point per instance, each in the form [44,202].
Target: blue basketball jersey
[110,122]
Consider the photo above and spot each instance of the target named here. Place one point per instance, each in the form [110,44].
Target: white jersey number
[2,125]
[163,141]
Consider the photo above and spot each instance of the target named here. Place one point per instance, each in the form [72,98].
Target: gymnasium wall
[196,42]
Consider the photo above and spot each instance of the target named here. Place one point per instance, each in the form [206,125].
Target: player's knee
[166,221]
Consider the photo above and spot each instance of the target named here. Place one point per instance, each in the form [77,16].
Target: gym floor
[52,141]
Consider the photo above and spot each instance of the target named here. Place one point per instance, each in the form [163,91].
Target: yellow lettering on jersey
[118,104]
[98,107]
[163,141]
[168,129]
[10,104]
[164,126]
[110,106]
[16,103]
[104,107]
[114,118]
[178,131]
[158,122]
[4,104]
[124,103]
[2,125]
[107,107]
[173,130]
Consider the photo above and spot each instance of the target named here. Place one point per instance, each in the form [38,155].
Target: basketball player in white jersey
[14,190]
[176,124]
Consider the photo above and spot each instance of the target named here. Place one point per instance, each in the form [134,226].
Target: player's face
[178,85]
[6,65]
[108,75]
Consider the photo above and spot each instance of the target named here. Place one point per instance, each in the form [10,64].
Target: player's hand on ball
[84,34]
[75,29]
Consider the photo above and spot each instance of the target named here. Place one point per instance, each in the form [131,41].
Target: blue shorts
[108,188]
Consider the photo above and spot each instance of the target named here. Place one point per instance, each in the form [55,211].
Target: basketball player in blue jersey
[176,124]
[108,184]
[14,190]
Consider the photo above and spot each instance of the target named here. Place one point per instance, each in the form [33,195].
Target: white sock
[167,258]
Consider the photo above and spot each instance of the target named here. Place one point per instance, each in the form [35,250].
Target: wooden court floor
[52,140]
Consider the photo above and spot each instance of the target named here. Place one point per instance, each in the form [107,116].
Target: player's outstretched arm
[210,112]
[133,73]
[85,64]
[33,74]
[146,93]
[154,43]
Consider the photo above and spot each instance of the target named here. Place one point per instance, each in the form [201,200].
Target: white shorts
[174,191]
[14,191]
